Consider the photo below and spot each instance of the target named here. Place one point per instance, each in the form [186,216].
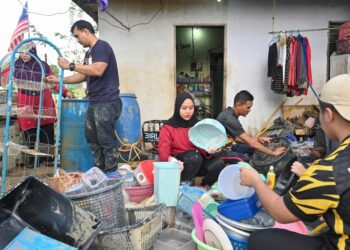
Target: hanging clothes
[289,65]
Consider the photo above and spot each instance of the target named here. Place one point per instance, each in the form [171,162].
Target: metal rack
[7,109]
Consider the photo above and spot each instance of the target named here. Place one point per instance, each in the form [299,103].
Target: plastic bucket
[200,245]
[247,165]
[208,133]
[75,152]
[167,182]
[128,125]
[147,170]
[230,184]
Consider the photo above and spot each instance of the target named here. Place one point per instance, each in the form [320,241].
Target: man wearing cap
[322,190]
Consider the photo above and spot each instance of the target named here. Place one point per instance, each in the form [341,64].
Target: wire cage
[143,226]
[26,98]
[262,162]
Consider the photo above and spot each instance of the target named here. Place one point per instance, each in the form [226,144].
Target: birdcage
[26,98]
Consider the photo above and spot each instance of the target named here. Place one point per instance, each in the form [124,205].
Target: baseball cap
[336,92]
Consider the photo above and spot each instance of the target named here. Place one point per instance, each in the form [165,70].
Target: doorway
[200,67]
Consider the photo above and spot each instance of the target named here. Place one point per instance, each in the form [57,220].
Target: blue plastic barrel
[128,125]
[75,152]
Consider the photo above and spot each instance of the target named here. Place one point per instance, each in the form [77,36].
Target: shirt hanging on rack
[289,65]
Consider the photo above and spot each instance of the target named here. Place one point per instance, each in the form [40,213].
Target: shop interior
[200,67]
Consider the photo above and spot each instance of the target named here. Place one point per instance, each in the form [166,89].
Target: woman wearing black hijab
[174,140]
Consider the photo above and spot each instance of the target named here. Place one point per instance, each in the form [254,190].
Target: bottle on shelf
[271,178]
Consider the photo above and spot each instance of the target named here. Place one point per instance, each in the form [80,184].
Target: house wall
[146,54]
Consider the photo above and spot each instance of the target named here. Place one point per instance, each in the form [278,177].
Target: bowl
[229,182]
[207,134]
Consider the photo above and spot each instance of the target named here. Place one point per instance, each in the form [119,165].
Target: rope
[129,148]
[273,15]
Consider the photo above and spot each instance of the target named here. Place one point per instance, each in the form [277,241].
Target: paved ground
[18,174]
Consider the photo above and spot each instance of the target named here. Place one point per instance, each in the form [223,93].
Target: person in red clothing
[27,72]
[174,141]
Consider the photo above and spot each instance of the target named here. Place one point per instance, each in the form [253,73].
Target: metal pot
[232,231]
[262,220]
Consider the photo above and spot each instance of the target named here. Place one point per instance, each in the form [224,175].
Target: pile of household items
[145,207]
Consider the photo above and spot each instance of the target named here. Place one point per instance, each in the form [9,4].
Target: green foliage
[55,69]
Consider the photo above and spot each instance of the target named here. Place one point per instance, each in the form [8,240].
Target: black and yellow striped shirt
[324,190]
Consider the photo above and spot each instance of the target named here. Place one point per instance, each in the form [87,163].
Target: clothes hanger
[273,39]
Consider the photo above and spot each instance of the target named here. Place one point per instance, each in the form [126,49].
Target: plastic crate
[240,209]
[143,226]
[105,203]
[188,196]
[31,240]
[174,239]
[35,205]
[94,177]
[126,175]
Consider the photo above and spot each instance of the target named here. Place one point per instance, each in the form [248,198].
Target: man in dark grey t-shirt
[101,74]
[245,143]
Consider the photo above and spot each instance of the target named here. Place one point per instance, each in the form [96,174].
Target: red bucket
[147,170]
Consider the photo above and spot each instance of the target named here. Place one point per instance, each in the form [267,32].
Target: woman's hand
[249,177]
[298,168]
[212,150]
[180,163]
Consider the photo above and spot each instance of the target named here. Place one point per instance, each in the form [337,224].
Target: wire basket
[262,162]
[105,203]
[63,180]
[143,226]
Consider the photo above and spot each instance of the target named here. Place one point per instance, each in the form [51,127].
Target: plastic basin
[201,245]
[230,184]
[297,227]
[208,133]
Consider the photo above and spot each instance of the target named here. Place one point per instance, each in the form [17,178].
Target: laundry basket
[262,162]
[143,226]
[105,203]
[167,182]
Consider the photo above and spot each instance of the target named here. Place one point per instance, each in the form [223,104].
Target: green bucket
[201,245]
